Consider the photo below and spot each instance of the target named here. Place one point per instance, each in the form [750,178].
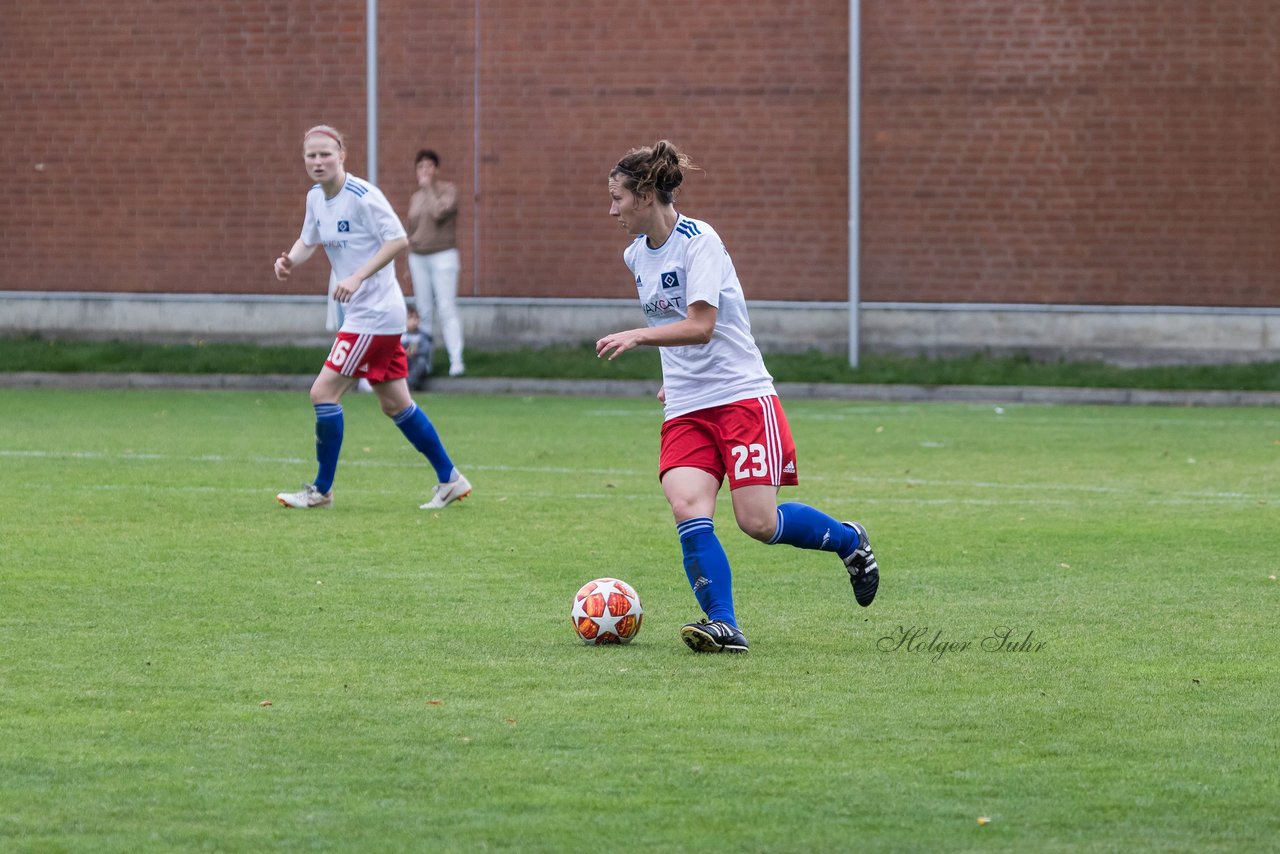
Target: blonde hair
[326,130]
[659,169]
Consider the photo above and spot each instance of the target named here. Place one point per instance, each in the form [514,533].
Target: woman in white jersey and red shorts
[722,418]
[361,235]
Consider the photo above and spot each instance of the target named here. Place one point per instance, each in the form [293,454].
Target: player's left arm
[379,218]
[346,289]
[696,328]
[704,268]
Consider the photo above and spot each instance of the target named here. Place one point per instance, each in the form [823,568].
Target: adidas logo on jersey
[790,468]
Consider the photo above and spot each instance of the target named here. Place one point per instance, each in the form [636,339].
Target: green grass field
[186,666]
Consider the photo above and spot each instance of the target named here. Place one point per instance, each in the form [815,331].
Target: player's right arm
[298,254]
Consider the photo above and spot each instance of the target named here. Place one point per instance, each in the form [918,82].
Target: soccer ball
[605,611]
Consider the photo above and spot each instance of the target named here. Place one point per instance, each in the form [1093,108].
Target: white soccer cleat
[308,497]
[447,493]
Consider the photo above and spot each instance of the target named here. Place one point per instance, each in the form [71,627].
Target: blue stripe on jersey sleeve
[688,228]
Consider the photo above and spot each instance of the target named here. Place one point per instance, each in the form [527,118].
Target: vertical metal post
[475,158]
[371,84]
[855,190]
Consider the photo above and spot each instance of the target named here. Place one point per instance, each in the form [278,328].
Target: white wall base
[1124,335]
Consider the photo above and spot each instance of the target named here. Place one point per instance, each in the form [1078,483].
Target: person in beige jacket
[433,255]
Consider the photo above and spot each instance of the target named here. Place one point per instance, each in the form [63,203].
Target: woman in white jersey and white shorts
[361,235]
[722,418]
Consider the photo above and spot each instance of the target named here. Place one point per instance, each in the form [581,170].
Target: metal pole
[855,130]
[475,158]
[371,83]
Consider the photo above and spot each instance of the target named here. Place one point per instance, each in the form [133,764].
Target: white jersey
[353,225]
[693,266]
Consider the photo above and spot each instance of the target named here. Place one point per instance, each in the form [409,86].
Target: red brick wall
[758,97]
[1098,151]
[1093,151]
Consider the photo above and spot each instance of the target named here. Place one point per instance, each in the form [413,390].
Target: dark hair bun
[668,181]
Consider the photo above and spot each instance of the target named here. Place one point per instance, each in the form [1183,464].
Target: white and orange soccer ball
[606,611]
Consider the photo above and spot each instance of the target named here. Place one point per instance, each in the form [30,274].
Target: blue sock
[804,527]
[707,566]
[417,428]
[328,443]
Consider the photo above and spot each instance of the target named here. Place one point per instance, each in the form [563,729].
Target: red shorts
[376,358]
[748,440]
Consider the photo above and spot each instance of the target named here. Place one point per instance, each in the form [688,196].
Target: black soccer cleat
[864,573]
[713,636]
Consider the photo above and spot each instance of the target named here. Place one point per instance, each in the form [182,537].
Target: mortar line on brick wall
[795,305]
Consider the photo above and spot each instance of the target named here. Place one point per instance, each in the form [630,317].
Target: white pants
[333,313]
[435,285]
